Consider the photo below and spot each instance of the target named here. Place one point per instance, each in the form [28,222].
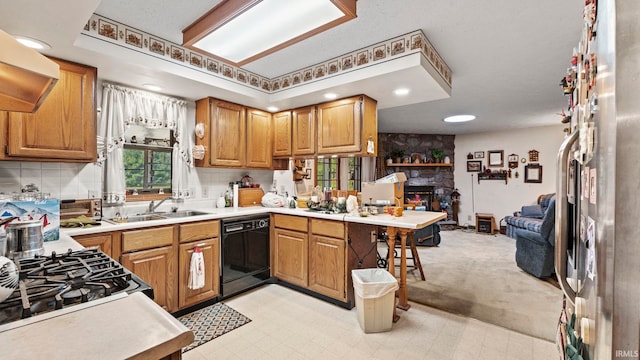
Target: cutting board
[250,197]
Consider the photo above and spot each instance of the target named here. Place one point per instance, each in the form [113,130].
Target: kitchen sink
[158,216]
[184,213]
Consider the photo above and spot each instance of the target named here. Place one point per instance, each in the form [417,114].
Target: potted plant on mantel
[397,155]
[437,155]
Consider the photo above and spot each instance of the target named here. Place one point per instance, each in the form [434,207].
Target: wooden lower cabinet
[211,253]
[327,266]
[96,241]
[290,263]
[157,267]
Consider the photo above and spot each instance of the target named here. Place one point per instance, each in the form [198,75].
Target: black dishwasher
[245,254]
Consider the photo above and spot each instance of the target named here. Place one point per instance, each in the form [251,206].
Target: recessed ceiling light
[32,43]
[401,91]
[459,118]
[272,109]
[152,87]
[330,96]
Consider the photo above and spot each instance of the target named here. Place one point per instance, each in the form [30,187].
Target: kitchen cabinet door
[157,267]
[346,126]
[258,139]
[291,249]
[282,134]
[101,241]
[304,131]
[211,253]
[64,127]
[327,266]
[227,141]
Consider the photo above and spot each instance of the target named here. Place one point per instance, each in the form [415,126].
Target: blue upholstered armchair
[534,251]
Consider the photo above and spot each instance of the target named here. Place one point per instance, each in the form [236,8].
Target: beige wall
[493,196]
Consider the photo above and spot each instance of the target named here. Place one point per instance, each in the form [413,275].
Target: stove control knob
[263,223]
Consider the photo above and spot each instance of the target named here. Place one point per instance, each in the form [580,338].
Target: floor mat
[210,322]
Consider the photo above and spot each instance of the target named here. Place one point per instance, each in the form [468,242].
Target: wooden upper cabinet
[64,127]
[282,133]
[304,131]
[233,136]
[227,140]
[346,126]
[258,139]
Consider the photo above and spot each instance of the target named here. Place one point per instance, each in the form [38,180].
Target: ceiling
[506,57]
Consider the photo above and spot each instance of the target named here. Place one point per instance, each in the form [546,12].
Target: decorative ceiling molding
[102,28]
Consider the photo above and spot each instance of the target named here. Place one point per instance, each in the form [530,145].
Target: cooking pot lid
[25,223]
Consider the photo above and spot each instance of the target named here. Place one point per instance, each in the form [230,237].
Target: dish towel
[196,270]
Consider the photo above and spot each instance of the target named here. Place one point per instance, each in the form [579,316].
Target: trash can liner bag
[373,283]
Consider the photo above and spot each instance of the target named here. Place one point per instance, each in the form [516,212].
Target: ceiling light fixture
[241,31]
[459,118]
[330,96]
[32,43]
[152,87]
[401,91]
[272,109]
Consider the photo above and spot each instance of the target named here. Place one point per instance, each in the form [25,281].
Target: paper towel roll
[235,195]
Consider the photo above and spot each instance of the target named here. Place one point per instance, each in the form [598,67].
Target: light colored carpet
[475,275]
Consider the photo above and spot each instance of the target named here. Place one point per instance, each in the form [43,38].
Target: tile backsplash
[61,180]
[80,181]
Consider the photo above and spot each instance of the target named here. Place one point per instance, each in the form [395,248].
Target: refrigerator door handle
[561,223]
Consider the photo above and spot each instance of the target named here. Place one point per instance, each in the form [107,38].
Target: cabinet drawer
[199,230]
[147,238]
[297,223]
[329,228]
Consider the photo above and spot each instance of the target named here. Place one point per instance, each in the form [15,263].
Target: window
[355,174]
[147,160]
[342,174]
[147,168]
[327,173]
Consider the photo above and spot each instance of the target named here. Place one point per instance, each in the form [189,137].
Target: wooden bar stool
[415,257]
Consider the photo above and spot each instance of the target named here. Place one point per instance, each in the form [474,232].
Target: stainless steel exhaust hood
[26,76]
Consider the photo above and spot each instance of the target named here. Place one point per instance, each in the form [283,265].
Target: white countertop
[118,327]
[131,327]
[409,219]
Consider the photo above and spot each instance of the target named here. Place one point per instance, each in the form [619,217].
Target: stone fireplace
[423,193]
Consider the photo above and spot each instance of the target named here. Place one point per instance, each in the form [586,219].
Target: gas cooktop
[58,281]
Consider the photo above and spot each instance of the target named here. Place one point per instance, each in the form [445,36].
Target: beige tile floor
[290,325]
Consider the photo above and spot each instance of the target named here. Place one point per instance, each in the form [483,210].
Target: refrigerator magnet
[585,182]
[592,185]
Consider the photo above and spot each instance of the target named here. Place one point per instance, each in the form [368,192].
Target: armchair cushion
[549,220]
[532,211]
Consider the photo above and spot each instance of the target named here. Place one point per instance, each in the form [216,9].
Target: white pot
[447,160]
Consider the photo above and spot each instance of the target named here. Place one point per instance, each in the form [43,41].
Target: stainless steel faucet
[153,206]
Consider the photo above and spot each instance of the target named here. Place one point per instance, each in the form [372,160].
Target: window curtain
[121,107]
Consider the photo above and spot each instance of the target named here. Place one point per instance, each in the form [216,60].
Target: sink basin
[158,216]
[137,218]
[184,213]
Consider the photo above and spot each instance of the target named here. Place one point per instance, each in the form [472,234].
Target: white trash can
[375,298]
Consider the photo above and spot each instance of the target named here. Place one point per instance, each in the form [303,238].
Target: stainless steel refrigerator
[597,255]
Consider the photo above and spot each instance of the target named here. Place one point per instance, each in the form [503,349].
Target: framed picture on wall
[474,166]
[478,155]
[533,173]
[496,158]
